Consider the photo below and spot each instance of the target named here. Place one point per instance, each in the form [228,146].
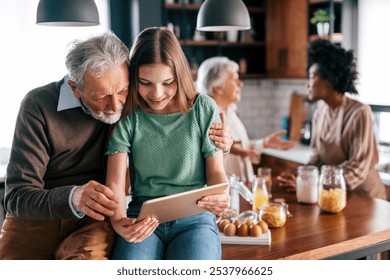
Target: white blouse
[235,164]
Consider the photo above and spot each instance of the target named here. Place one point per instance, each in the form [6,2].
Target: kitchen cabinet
[287,38]
[247,48]
[289,32]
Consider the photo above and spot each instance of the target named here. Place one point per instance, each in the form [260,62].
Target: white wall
[264,103]
[32,55]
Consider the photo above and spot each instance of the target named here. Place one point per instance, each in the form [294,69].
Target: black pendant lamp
[67,13]
[218,15]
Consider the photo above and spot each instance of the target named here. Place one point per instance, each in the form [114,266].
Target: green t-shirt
[168,150]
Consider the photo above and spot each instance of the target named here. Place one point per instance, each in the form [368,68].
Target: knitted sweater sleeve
[26,196]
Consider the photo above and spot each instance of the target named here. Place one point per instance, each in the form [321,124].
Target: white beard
[109,119]
[106,117]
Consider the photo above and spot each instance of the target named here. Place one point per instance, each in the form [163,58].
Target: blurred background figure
[343,128]
[219,78]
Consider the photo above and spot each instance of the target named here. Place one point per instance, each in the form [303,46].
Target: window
[373,51]
[32,55]
[373,62]
[381,118]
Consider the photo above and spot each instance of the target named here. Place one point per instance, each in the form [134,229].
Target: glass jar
[267,173]
[259,192]
[274,214]
[332,189]
[234,194]
[307,184]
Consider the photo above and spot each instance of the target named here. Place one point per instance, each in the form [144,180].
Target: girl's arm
[128,228]
[215,174]
[116,181]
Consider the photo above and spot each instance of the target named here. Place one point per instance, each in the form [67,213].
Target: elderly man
[55,198]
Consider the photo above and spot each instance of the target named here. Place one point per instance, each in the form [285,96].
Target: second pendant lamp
[217,15]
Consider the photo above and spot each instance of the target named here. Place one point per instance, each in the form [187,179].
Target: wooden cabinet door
[287,38]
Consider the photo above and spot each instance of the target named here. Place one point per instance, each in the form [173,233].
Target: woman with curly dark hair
[342,131]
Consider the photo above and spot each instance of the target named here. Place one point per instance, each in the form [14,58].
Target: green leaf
[320,15]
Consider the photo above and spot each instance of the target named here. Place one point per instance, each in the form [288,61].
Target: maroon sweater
[51,152]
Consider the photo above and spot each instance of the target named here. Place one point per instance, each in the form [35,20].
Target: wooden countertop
[361,229]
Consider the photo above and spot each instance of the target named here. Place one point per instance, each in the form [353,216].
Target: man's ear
[75,89]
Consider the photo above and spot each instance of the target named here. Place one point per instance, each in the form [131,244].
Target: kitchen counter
[301,155]
[361,230]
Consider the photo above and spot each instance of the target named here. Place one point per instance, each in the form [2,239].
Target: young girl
[167,138]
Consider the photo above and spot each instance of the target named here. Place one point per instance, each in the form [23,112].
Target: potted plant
[321,19]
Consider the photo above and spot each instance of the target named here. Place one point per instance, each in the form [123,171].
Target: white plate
[264,239]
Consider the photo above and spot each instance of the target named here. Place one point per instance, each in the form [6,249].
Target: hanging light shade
[67,13]
[217,15]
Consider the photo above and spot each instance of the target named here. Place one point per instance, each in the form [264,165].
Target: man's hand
[221,134]
[95,200]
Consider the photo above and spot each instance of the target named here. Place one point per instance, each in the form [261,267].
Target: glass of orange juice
[267,173]
[260,193]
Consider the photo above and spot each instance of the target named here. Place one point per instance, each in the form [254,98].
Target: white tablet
[173,207]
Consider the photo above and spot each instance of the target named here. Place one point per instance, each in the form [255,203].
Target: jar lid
[332,168]
[308,168]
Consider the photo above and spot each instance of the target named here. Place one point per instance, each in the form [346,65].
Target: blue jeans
[191,238]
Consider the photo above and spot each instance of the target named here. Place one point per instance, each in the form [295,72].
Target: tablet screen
[173,207]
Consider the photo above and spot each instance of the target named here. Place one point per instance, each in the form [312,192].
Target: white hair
[213,72]
[95,55]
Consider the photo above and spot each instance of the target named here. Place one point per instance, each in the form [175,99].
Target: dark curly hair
[335,64]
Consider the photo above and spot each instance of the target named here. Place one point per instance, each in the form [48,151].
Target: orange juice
[259,198]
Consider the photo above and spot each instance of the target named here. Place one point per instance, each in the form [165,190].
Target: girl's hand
[133,231]
[216,204]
